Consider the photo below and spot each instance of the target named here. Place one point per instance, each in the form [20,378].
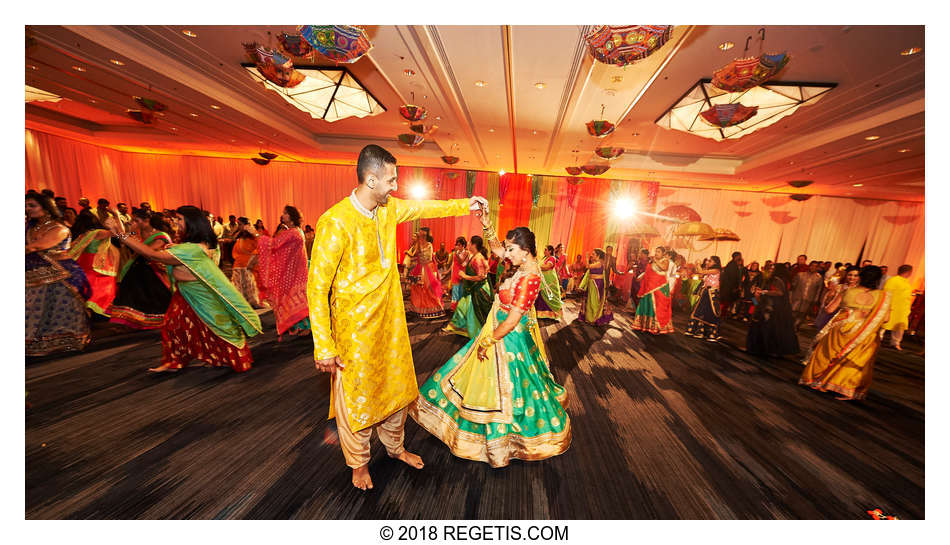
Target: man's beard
[382,200]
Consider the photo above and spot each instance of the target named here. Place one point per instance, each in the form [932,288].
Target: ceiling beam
[510,90]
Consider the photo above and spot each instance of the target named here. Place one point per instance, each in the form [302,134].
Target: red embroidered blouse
[521,293]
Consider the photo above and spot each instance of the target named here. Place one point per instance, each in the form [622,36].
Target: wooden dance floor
[664,428]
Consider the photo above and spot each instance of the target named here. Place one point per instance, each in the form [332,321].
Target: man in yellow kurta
[356,310]
[901,298]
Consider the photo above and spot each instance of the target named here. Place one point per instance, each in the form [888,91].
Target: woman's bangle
[487,341]
[489,231]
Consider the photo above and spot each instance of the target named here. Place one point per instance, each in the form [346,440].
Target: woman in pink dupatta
[282,261]
[425,293]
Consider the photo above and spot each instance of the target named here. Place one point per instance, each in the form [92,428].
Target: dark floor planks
[664,427]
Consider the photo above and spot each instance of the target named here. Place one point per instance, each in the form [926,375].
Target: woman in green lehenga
[496,399]
[548,304]
[473,307]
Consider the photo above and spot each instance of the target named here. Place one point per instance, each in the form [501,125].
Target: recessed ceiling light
[117,62]
[260,141]
[726,46]
[215,107]
[911,51]
[616,79]
[409,72]
[425,96]
[540,85]
[534,132]
[903,150]
[174,128]
[872,137]
[233,140]
[438,118]
[189,33]
[32,67]
[636,134]
[480,83]
[858,185]
[501,172]
[160,114]
[79,68]
[491,130]
[193,115]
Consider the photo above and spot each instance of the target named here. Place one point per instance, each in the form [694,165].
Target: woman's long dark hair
[46,203]
[197,227]
[870,277]
[85,221]
[780,271]
[716,262]
[480,246]
[159,223]
[524,239]
[294,214]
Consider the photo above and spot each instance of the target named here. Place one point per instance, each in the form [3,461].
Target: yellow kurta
[901,298]
[356,308]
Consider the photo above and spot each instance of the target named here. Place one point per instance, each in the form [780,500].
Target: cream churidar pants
[355,445]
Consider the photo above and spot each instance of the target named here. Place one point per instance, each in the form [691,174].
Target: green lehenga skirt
[503,407]
[472,309]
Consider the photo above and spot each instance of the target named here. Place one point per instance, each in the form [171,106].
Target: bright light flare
[418,191]
[624,209]
[501,172]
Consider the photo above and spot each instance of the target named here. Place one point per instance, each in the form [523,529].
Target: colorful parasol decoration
[728,115]
[260,161]
[574,180]
[743,74]
[799,197]
[595,170]
[641,230]
[274,66]
[339,43]
[450,159]
[573,171]
[608,152]
[411,140]
[693,229]
[142,116]
[294,44]
[622,45]
[721,234]
[800,183]
[268,155]
[150,104]
[600,128]
[422,129]
[412,112]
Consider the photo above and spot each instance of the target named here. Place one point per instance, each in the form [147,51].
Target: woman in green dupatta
[473,307]
[99,259]
[595,309]
[548,304]
[207,319]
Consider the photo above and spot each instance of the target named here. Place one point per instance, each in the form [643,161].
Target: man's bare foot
[844,398]
[413,460]
[361,478]
[162,369]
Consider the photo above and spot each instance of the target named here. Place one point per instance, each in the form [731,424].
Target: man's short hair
[49,193]
[803,255]
[736,254]
[904,269]
[372,158]
[103,202]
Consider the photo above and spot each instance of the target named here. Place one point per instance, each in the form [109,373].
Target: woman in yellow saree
[842,360]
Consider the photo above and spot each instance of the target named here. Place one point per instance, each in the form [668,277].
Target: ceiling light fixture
[92,100]
[38,95]
[903,150]
[858,185]
[438,118]
[32,67]
[491,130]
[534,132]
[79,68]
[215,107]
[775,100]
[540,85]
[911,51]
[726,46]
[189,33]
[193,115]
[325,93]
[871,138]
[616,79]
[117,62]
[480,83]
[174,128]
[409,72]
[501,172]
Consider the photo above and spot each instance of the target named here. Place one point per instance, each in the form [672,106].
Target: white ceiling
[509,123]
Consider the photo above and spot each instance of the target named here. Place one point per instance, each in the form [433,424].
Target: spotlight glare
[624,208]
[418,192]
[501,172]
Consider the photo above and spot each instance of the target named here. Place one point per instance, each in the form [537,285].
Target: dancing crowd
[343,285]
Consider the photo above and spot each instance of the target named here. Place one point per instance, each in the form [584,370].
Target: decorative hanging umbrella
[573,171]
[693,229]
[746,73]
[452,175]
[608,152]
[273,66]
[339,43]
[411,140]
[260,161]
[450,159]
[799,197]
[294,44]
[150,104]
[422,129]
[574,180]
[142,116]
[595,170]
[642,230]
[600,128]
[800,183]
[720,234]
[411,112]
[728,115]
[622,45]
[267,155]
